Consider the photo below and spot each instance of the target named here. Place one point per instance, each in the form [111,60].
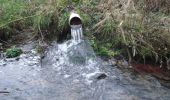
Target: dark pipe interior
[75,21]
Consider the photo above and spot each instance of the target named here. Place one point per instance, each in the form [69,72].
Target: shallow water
[71,71]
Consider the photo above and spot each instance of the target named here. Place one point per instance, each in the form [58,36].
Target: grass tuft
[13,52]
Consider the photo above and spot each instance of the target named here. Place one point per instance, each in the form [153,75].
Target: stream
[71,71]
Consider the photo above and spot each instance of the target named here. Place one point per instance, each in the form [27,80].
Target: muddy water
[71,71]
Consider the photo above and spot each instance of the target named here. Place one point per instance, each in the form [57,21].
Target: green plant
[103,49]
[39,16]
[13,52]
[86,20]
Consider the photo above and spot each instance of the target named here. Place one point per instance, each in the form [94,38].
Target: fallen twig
[4,92]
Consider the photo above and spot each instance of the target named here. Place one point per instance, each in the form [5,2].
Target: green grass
[35,15]
[38,16]
[13,52]
[104,50]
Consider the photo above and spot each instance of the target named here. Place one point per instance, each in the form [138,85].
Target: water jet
[72,27]
[75,23]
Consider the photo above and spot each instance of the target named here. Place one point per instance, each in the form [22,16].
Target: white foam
[67,76]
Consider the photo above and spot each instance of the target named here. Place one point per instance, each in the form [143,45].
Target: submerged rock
[102,76]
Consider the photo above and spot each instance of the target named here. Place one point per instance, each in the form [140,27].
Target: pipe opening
[76,27]
[75,21]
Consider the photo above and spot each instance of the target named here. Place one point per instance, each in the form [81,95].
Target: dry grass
[142,26]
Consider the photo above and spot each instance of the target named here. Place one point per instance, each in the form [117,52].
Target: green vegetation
[104,50]
[39,16]
[135,28]
[13,52]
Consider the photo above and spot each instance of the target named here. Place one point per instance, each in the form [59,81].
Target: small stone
[17,59]
[125,63]
[18,89]
[113,63]
[43,56]
[2,63]
[130,67]
[57,59]
[102,76]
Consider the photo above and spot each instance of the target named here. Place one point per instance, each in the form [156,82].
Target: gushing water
[77,32]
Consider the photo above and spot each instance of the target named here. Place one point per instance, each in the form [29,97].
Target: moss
[13,52]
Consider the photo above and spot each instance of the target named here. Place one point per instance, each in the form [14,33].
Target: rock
[123,64]
[17,59]
[113,63]
[102,76]
[2,63]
